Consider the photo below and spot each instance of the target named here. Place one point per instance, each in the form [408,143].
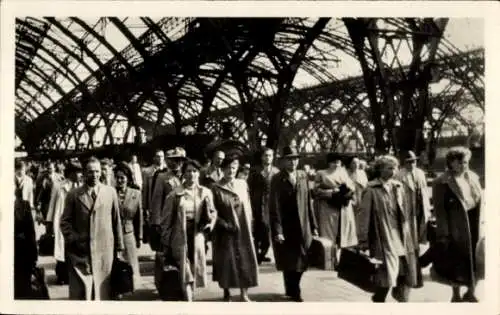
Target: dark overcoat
[453,227]
[291,214]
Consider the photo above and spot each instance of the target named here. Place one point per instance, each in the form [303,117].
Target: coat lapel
[85,198]
[452,183]
[98,199]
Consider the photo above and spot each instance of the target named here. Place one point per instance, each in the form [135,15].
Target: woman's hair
[125,169]
[457,154]
[191,162]
[229,160]
[382,161]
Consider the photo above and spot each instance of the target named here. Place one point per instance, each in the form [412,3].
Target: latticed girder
[177,71]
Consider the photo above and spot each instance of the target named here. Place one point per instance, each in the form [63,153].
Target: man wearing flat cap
[292,221]
[73,174]
[167,181]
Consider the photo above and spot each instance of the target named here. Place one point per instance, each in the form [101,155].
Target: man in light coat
[416,196]
[92,231]
[24,183]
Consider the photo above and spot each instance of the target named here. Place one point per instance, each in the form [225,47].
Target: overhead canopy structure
[85,83]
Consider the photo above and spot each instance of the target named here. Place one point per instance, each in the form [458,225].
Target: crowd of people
[104,210]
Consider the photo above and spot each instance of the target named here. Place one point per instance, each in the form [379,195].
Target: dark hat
[74,166]
[290,152]
[410,156]
[333,156]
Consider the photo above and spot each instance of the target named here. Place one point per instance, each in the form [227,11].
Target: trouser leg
[265,242]
[287,282]
[380,295]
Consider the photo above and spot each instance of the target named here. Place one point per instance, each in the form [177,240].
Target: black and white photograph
[249,159]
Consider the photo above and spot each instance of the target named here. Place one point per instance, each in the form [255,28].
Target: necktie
[93,195]
[293,179]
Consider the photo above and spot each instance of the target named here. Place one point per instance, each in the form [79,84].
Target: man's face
[51,168]
[159,158]
[21,171]
[267,157]
[134,159]
[106,170]
[411,164]
[93,173]
[218,158]
[174,164]
[388,171]
[291,164]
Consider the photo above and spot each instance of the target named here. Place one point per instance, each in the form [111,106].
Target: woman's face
[231,170]
[388,171]
[121,179]
[191,174]
[354,164]
[459,166]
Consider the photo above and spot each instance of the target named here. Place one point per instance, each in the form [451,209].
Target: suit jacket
[165,183]
[93,233]
[147,187]
[259,184]
[131,213]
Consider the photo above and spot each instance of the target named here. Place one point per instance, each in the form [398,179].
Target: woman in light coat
[458,206]
[130,202]
[387,230]
[335,223]
[234,256]
[187,216]
[73,174]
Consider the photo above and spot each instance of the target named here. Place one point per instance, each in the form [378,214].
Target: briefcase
[356,268]
[322,253]
[46,245]
[170,286]
[39,290]
[122,277]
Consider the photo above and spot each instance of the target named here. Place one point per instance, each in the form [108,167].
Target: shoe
[469,297]
[396,294]
[297,298]
[455,299]
[227,296]
[245,299]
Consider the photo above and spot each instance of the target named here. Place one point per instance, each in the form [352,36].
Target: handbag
[170,286]
[121,277]
[356,268]
[39,289]
[46,245]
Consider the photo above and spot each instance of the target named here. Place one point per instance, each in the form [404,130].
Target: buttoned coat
[166,182]
[103,234]
[174,234]
[452,222]
[284,199]
[413,201]
[234,255]
[132,219]
[371,231]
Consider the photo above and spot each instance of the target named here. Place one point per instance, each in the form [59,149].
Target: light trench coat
[412,202]
[329,217]
[55,211]
[104,233]
[375,227]
[174,234]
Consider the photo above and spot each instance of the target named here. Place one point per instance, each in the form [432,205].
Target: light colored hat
[176,153]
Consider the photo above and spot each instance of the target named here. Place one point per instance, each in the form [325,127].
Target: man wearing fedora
[292,221]
[416,197]
[167,181]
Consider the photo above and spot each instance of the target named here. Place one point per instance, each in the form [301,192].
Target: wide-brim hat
[410,156]
[289,152]
[176,153]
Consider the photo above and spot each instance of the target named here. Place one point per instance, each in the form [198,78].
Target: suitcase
[122,277]
[356,268]
[46,245]
[322,253]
